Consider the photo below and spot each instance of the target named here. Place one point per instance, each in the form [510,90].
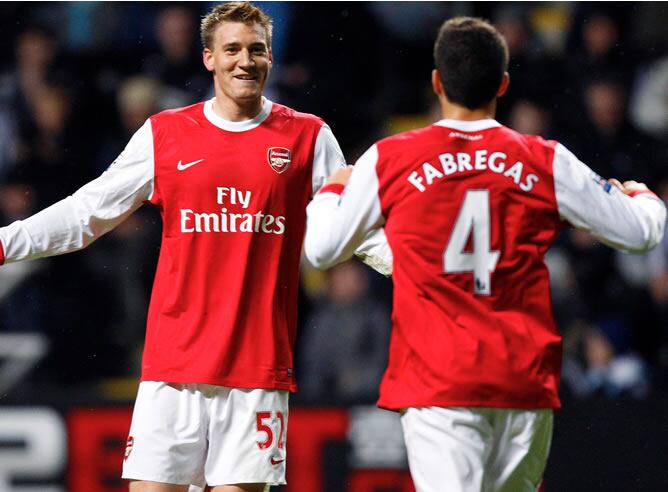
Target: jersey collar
[237,126]
[469,126]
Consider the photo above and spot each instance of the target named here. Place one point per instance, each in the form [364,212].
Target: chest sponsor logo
[183,166]
[279,158]
[236,213]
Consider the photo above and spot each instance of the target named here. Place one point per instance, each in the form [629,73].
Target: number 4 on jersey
[473,218]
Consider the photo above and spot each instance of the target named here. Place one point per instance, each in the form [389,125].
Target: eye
[231,50]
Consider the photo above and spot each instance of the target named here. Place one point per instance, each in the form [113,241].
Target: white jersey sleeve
[340,225]
[588,202]
[327,157]
[95,209]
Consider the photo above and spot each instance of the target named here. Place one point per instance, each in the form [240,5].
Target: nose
[245,59]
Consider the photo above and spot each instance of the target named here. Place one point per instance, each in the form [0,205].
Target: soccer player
[231,177]
[469,208]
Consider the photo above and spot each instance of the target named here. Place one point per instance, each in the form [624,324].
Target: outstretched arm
[340,222]
[627,217]
[95,209]
[329,161]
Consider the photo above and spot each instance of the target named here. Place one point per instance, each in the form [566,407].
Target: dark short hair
[471,57]
[244,12]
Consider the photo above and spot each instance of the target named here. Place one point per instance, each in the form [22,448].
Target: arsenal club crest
[279,158]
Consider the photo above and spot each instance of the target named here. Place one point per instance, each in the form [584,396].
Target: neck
[451,111]
[233,111]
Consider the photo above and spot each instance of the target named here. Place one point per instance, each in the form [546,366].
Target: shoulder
[192,114]
[408,141]
[420,134]
[538,155]
[279,111]
[533,144]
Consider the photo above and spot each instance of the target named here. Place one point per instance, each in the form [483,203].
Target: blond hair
[244,12]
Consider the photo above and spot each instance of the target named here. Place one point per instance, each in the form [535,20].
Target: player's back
[470,211]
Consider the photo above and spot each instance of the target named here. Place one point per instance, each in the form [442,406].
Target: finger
[616,183]
[635,186]
[341,175]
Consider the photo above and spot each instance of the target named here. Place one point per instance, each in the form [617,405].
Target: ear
[271,57]
[436,84]
[505,82]
[207,59]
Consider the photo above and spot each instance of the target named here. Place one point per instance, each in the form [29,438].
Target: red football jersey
[469,210]
[232,197]
[227,276]
[471,287]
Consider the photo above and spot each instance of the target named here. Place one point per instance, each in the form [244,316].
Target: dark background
[77,79]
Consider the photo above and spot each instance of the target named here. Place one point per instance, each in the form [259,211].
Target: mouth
[246,77]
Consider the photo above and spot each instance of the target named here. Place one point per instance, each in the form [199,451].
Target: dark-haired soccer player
[469,208]
[232,177]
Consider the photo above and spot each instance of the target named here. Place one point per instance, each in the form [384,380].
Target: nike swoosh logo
[275,461]
[182,167]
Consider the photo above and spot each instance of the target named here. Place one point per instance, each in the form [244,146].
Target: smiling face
[240,60]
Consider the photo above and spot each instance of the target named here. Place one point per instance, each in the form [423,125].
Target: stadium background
[77,79]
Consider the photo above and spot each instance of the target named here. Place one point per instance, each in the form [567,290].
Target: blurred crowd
[78,79]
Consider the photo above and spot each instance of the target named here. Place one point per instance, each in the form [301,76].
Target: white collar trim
[237,126]
[469,126]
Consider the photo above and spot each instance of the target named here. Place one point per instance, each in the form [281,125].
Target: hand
[341,176]
[629,186]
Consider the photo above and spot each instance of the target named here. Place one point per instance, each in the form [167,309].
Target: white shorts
[477,449]
[203,434]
